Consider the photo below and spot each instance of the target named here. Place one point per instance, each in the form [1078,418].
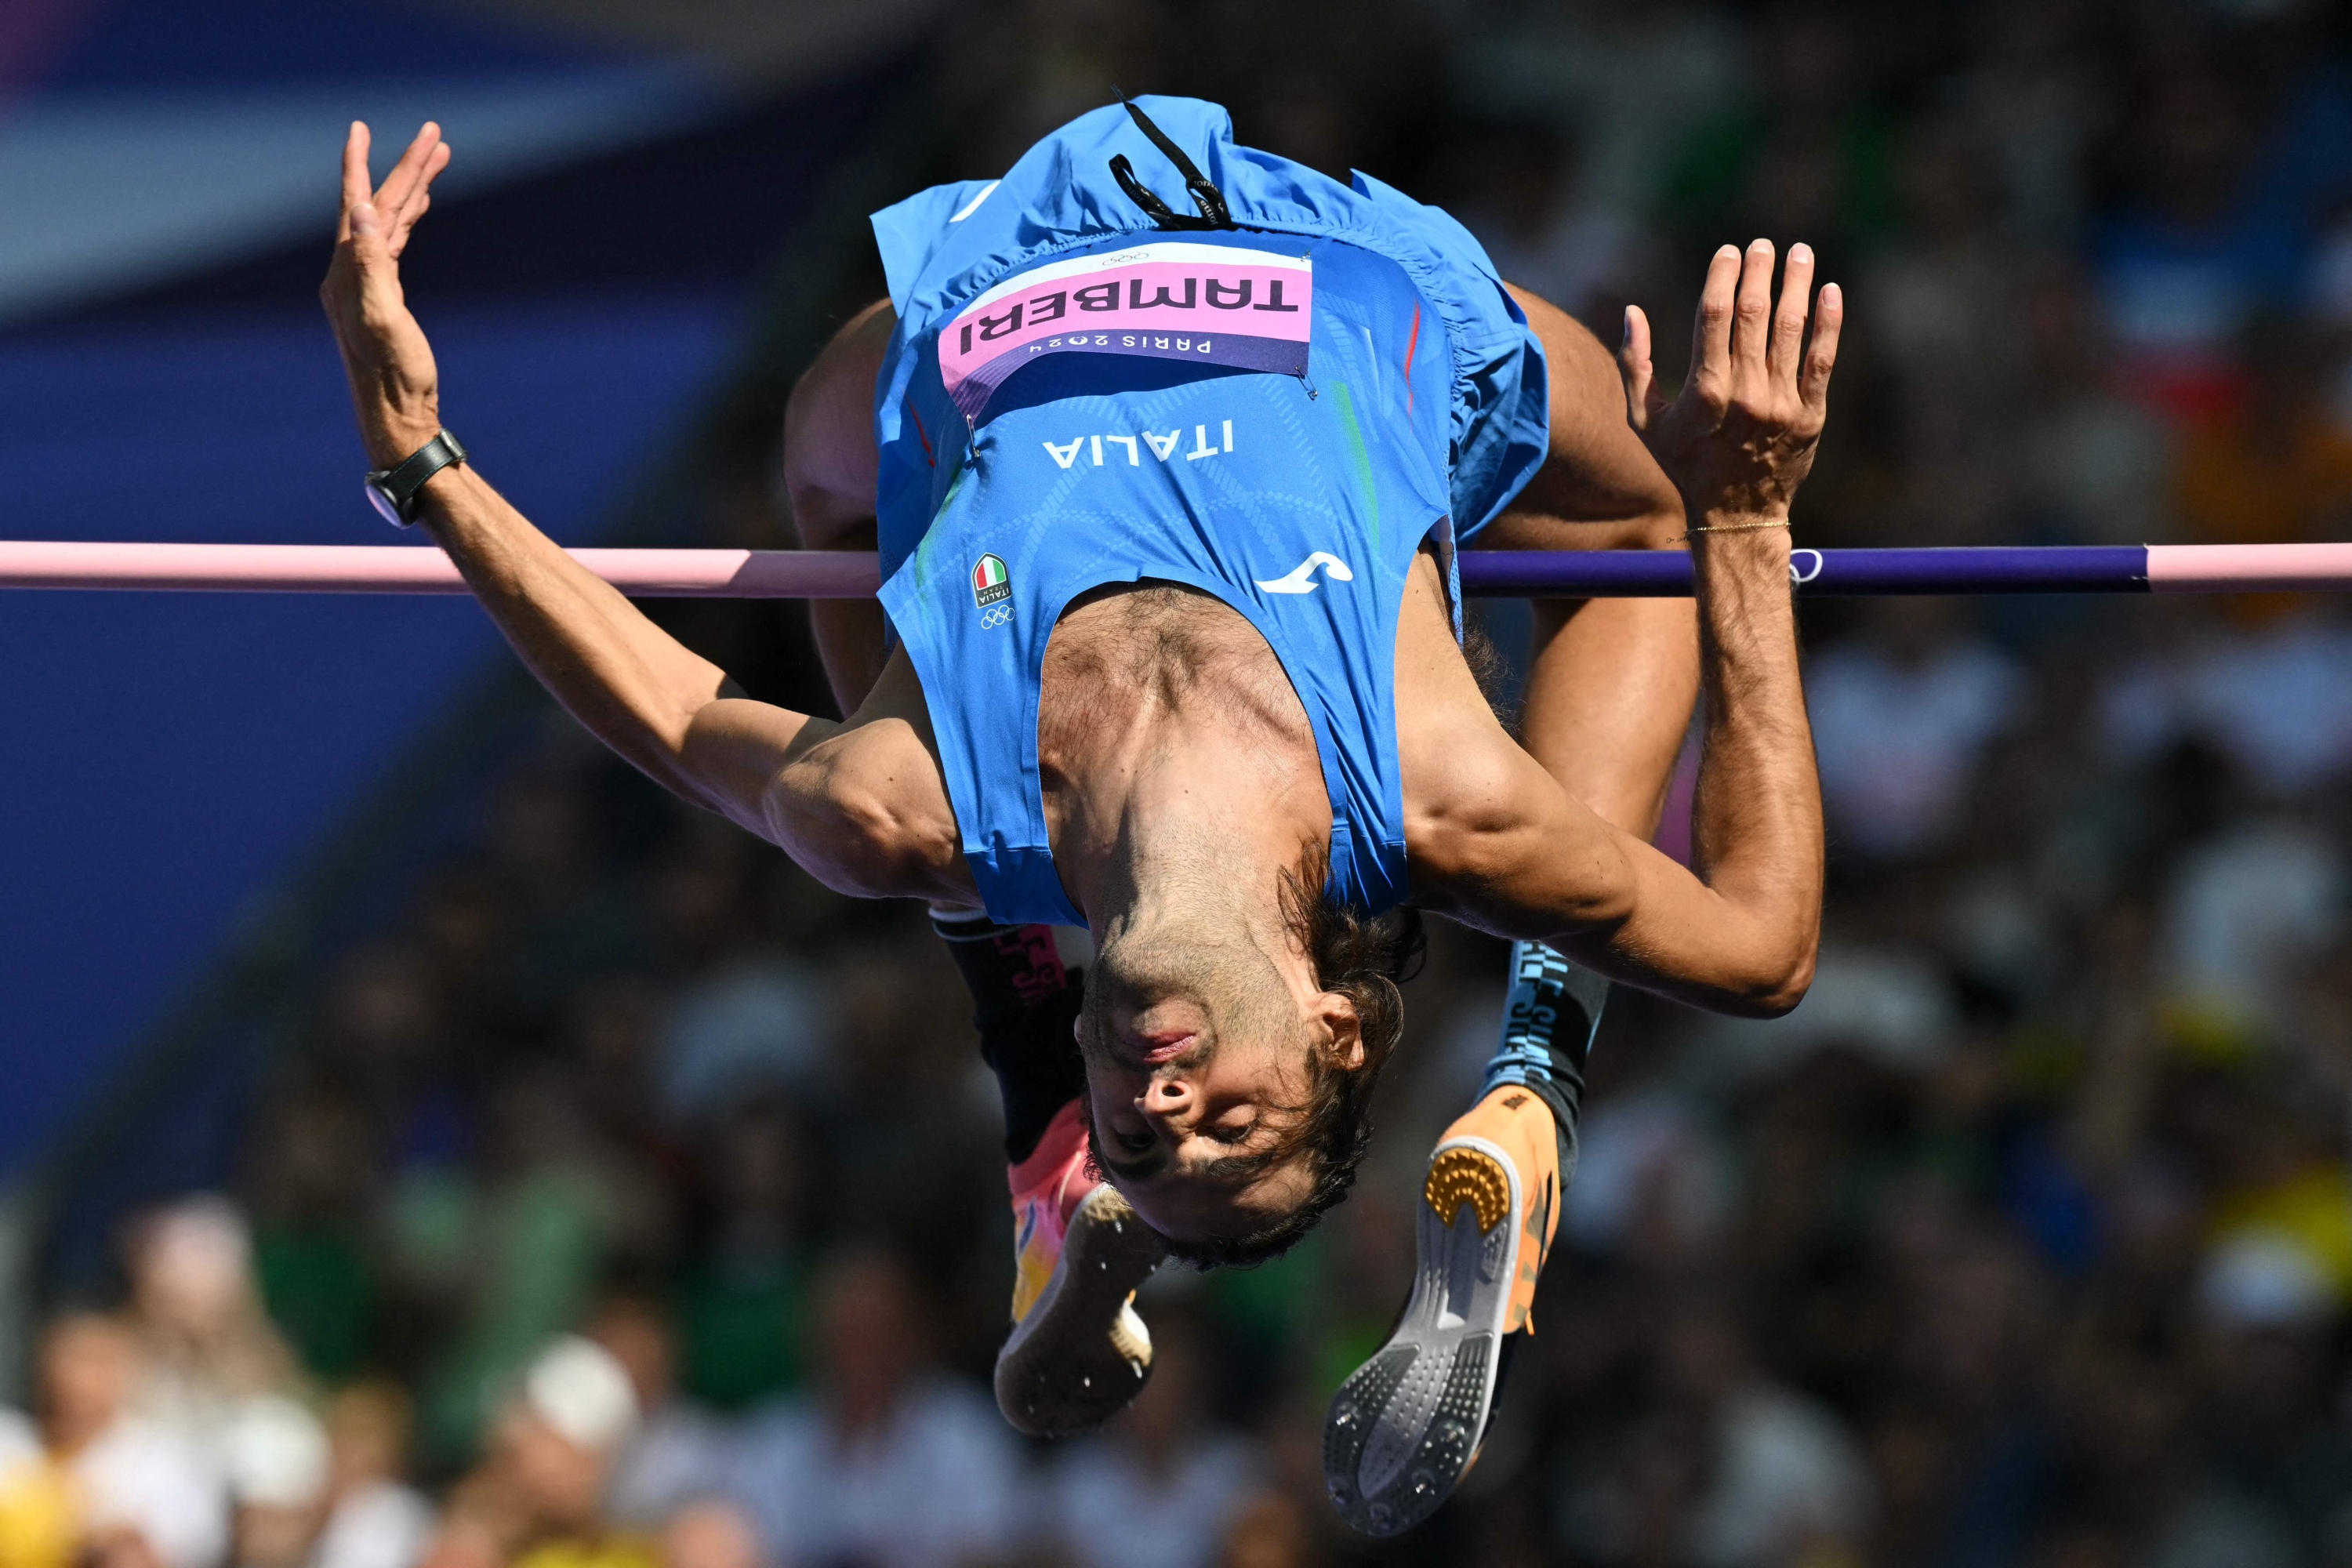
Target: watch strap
[401,484]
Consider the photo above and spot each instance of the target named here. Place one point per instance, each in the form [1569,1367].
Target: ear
[1344,1042]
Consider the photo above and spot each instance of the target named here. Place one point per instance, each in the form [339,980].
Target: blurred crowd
[629,1200]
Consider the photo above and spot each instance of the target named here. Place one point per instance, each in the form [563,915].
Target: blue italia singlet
[1278,414]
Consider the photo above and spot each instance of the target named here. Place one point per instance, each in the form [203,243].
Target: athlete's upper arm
[1490,837]
[1597,470]
[830,462]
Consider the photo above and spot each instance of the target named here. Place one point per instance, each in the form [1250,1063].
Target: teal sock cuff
[1549,1018]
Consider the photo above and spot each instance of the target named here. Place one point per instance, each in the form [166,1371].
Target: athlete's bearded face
[1197,1079]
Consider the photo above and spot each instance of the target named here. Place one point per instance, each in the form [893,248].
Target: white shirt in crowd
[677,1457]
[1899,744]
[144,1476]
[380,1525]
[1786,1474]
[1106,1512]
[937,1487]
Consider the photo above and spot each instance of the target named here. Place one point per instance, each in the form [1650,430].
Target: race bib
[1216,304]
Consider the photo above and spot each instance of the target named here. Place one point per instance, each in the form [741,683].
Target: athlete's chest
[1131,663]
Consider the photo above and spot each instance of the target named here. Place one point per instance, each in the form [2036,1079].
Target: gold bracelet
[1732,527]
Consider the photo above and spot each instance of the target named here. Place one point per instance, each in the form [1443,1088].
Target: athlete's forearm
[657,703]
[1757,821]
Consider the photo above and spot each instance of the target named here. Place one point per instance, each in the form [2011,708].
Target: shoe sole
[1083,1354]
[1407,1424]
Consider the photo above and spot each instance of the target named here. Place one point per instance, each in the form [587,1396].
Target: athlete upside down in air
[1168,646]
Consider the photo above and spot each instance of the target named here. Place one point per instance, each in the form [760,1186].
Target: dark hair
[1362,957]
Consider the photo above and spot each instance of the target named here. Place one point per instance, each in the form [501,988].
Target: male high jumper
[1169,645]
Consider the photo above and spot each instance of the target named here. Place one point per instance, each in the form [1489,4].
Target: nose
[1165,1098]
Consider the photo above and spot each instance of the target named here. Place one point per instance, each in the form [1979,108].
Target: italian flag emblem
[991,583]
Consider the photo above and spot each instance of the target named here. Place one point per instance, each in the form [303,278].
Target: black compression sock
[1024,1004]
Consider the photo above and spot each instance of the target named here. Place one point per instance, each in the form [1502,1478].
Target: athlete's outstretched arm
[818,789]
[1512,851]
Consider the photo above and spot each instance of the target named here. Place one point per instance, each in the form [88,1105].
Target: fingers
[421,200]
[1814,384]
[1789,320]
[1711,341]
[1633,366]
[408,176]
[355,177]
[1752,317]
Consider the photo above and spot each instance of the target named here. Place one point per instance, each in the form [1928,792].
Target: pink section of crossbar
[2224,568]
[420,569]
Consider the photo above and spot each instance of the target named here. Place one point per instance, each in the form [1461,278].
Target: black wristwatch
[392,491]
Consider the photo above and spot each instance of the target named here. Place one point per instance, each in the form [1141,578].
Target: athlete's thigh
[1599,487]
[829,471]
[1607,691]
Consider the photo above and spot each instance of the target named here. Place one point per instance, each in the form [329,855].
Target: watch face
[381,499]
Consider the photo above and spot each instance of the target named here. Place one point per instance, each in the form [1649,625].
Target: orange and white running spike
[1407,1425]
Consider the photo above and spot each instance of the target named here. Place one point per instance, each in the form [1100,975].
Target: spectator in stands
[538,1499]
[209,1344]
[1784,1480]
[675,1455]
[95,1482]
[2132,1471]
[375,1519]
[1162,1487]
[313,1172]
[711,1534]
[887,1463]
[1902,718]
[743,1295]
[516,1240]
[2267,1315]
[276,1454]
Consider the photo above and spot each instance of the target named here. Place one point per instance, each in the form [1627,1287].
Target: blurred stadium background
[368,1032]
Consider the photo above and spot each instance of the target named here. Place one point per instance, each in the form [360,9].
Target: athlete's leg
[1608,695]
[1607,699]
[1079,1352]
[829,471]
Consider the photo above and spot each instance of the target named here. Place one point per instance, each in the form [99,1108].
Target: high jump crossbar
[851,575]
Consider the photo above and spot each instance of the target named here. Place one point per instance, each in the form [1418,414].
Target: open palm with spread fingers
[1740,435]
[394,386]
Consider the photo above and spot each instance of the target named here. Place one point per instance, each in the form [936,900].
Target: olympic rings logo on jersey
[1001,615]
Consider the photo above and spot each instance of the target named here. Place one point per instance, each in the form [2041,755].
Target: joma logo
[1163,446]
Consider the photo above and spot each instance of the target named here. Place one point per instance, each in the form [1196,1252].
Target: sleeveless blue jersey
[1277,414]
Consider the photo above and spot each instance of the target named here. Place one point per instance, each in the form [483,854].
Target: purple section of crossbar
[1641,573]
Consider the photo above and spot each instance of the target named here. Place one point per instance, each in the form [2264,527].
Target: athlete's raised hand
[1739,437]
[394,386]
